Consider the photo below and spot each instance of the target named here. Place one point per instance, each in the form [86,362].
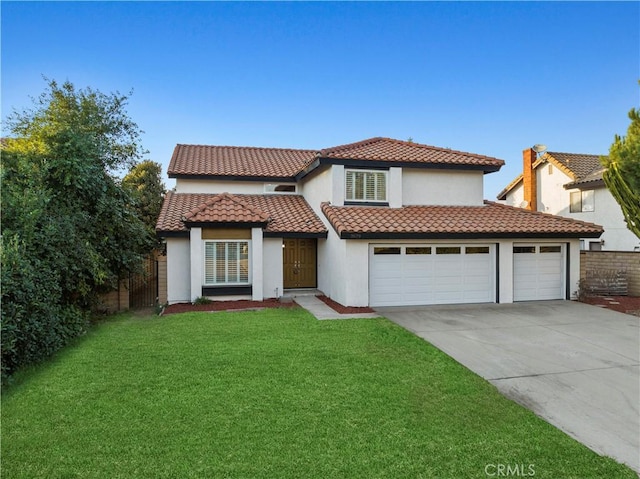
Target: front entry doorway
[299,262]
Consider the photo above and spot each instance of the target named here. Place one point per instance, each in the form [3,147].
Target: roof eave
[584,184]
[172,234]
[279,179]
[359,163]
[466,236]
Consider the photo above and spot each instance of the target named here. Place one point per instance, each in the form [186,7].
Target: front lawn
[272,393]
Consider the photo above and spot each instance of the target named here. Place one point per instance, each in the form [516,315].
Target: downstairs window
[226,263]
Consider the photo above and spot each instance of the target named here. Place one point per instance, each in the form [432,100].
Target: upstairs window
[280,188]
[366,186]
[582,201]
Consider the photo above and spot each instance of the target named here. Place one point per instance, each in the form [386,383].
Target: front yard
[272,393]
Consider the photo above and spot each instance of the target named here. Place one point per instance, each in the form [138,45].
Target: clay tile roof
[492,220]
[580,165]
[286,213]
[203,160]
[225,208]
[387,149]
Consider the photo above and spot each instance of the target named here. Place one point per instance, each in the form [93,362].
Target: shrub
[202,300]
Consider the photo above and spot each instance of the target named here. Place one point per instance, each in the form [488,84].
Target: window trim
[272,189]
[348,171]
[249,281]
[583,194]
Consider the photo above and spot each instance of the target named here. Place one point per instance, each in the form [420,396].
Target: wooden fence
[139,291]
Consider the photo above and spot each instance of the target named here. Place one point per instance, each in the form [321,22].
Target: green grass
[270,393]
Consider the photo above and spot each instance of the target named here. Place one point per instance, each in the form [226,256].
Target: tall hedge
[69,228]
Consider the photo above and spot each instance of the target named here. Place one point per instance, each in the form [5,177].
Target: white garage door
[431,274]
[538,272]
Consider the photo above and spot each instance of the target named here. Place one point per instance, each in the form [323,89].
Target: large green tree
[144,183]
[69,227]
[622,176]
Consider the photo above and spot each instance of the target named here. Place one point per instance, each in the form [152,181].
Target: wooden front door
[299,263]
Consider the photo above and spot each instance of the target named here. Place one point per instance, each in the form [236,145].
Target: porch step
[297,292]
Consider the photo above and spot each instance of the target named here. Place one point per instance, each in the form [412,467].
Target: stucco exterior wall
[316,188]
[515,197]
[178,271]
[218,186]
[607,213]
[272,267]
[442,187]
[553,198]
[333,274]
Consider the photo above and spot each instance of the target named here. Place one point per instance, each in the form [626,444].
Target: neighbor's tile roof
[199,160]
[285,213]
[388,149]
[581,168]
[225,208]
[489,220]
[580,165]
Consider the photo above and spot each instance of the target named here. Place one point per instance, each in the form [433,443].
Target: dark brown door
[299,263]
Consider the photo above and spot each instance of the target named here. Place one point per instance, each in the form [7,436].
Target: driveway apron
[575,365]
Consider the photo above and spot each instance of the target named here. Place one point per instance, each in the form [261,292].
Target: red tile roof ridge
[375,139]
[221,197]
[331,149]
[236,147]
[572,154]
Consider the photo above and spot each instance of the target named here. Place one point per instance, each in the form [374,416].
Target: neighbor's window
[226,262]
[366,185]
[582,201]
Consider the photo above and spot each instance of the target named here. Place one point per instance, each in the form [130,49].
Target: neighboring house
[571,185]
[378,222]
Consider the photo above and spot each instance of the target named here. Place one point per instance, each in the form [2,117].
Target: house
[377,222]
[571,185]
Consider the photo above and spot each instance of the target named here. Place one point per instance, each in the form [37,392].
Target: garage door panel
[431,274]
[538,273]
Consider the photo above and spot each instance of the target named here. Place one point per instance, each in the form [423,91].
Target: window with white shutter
[226,262]
[366,185]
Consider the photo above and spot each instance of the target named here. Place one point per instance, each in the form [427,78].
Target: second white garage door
[431,274]
[538,272]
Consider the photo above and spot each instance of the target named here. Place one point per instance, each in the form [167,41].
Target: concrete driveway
[575,365]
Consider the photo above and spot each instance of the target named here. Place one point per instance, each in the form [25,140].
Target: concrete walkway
[321,311]
[576,366]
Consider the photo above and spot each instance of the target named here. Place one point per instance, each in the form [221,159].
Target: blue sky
[487,77]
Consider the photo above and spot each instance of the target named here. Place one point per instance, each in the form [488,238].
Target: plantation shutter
[226,262]
[243,264]
[232,263]
[366,186]
[209,262]
[221,263]
[381,187]
[350,181]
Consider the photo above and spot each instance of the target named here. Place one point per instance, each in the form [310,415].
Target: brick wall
[611,272]
[162,279]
